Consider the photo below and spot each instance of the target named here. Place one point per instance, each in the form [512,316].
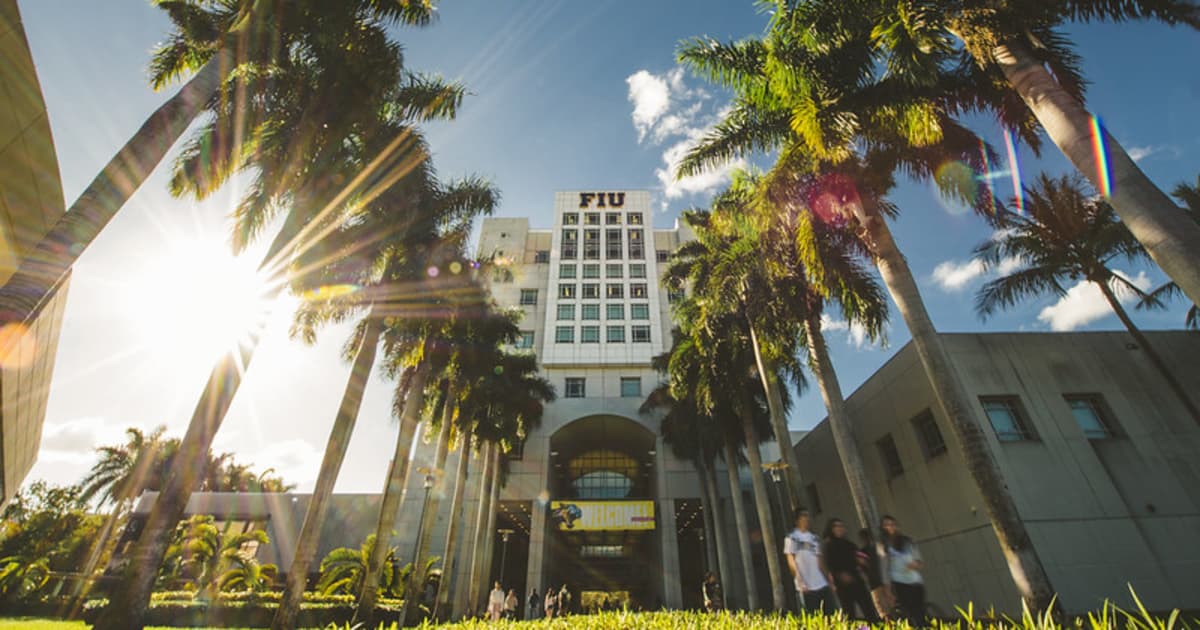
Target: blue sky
[565,95]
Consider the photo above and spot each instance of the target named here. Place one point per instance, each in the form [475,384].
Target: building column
[665,521]
[535,576]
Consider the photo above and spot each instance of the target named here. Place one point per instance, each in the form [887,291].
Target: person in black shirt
[714,599]
[841,557]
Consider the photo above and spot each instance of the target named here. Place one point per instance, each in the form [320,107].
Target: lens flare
[456,267]
[1100,148]
[330,291]
[433,272]
[1014,166]
[830,197]
[18,348]
[959,178]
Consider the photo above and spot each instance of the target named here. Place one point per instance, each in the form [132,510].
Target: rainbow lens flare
[1100,148]
[1014,166]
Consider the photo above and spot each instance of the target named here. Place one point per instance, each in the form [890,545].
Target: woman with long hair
[904,566]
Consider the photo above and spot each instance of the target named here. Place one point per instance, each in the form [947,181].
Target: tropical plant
[333,90]
[44,529]
[342,570]
[1066,234]
[842,132]
[22,576]
[1190,196]
[245,573]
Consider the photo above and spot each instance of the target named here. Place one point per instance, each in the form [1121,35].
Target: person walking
[511,604]
[903,566]
[841,556]
[869,561]
[496,602]
[535,605]
[564,601]
[551,602]
[714,598]
[803,550]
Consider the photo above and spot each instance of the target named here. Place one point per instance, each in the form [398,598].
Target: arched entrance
[602,538]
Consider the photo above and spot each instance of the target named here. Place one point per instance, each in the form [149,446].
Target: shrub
[245,613]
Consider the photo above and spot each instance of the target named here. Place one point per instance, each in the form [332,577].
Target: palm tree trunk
[743,526]
[1028,574]
[769,374]
[840,425]
[766,522]
[331,465]
[1170,237]
[127,608]
[723,567]
[1151,353]
[472,586]
[393,495]
[710,541]
[445,585]
[47,265]
[429,509]
[488,543]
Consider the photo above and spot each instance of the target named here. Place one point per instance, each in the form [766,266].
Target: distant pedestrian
[511,604]
[714,597]
[903,566]
[551,602]
[564,602]
[804,559]
[869,559]
[841,556]
[535,605]
[496,602]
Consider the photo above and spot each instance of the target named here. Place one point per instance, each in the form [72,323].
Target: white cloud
[1084,303]
[295,460]
[706,182]
[1137,154]
[651,97]
[952,275]
[856,334]
[1009,265]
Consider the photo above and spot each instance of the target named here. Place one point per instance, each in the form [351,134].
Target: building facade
[1099,454]
[31,200]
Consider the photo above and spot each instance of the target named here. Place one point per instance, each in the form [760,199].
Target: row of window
[1009,422]
[576,387]
[610,218]
[591,334]
[566,271]
[611,311]
[613,244]
[591,291]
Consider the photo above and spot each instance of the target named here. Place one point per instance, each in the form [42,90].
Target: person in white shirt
[903,569]
[803,550]
[496,602]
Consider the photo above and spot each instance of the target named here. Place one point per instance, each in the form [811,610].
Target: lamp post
[414,584]
[504,534]
[775,469]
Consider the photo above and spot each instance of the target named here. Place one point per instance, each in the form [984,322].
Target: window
[634,218]
[570,244]
[891,457]
[928,433]
[591,244]
[612,218]
[631,387]
[566,271]
[575,388]
[570,218]
[528,297]
[637,290]
[590,311]
[616,334]
[637,270]
[674,295]
[589,334]
[641,334]
[1004,412]
[661,255]
[526,340]
[612,244]
[541,256]
[615,311]
[564,334]
[566,291]
[612,271]
[591,291]
[517,453]
[566,311]
[1092,416]
[636,245]
[639,311]
[591,271]
[591,218]
[615,291]
[814,498]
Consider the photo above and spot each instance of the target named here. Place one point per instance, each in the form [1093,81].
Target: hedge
[257,613]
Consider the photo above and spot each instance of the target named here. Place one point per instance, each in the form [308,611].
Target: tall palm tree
[1190,196]
[385,272]
[1065,234]
[331,104]
[842,132]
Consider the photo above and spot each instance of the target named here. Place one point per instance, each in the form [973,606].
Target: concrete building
[31,199]
[1100,457]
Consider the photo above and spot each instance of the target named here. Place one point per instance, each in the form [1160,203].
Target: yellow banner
[602,515]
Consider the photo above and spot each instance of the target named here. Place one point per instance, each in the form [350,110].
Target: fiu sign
[615,200]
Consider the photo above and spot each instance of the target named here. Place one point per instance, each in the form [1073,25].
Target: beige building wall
[1102,513]
[31,200]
